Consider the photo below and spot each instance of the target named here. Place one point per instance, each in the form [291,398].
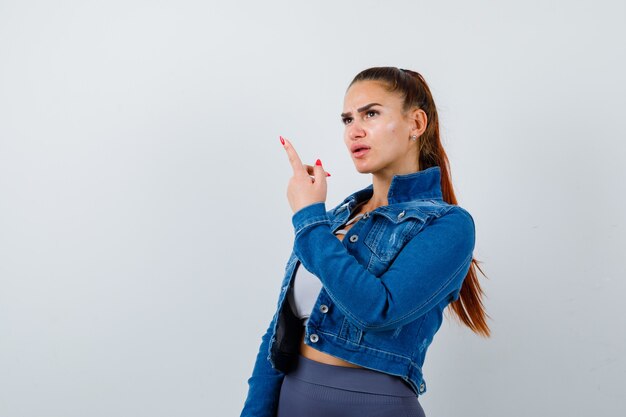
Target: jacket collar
[420,185]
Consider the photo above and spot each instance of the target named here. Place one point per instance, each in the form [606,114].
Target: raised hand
[308,184]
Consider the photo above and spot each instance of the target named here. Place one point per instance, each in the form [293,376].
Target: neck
[381,181]
[381,186]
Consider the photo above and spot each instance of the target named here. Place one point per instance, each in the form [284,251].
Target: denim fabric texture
[385,285]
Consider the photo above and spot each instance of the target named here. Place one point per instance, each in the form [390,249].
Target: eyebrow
[361,109]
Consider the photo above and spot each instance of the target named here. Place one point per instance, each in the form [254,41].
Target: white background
[144,224]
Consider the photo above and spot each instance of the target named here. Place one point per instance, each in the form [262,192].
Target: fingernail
[318,162]
[328,174]
[282,140]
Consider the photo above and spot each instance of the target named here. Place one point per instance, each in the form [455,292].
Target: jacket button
[354,238]
[324,308]
[422,387]
[314,338]
[401,215]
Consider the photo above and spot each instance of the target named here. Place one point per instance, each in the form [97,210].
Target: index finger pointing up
[294,159]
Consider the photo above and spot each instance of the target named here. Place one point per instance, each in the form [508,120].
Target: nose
[354,130]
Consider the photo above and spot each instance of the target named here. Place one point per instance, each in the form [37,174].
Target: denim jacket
[385,285]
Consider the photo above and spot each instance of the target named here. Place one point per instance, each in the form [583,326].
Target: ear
[419,121]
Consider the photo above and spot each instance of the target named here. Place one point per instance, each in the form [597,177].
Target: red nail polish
[318,163]
[328,174]
[282,140]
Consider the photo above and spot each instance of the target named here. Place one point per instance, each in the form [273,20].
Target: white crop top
[306,286]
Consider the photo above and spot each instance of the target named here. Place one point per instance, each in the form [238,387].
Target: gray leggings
[320,390]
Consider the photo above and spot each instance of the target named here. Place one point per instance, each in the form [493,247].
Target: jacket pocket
[391,231]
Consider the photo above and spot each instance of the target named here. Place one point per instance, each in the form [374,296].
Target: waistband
[347,378]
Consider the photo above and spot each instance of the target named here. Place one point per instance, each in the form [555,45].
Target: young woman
[367,281]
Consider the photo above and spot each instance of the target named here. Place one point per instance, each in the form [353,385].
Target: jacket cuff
[310,215]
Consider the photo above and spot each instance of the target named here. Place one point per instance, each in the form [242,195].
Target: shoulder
[456,227]
[436,219]
[448,213]
[442,209]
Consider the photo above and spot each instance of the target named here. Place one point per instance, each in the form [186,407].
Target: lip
[354,147]
[360,153]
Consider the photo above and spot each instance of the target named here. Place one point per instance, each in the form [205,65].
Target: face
[373,119]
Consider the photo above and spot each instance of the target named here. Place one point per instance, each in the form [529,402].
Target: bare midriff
[314,354]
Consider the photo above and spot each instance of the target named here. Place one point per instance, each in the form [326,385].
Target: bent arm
[430,268]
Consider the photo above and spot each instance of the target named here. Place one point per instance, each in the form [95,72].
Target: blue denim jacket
[385,285]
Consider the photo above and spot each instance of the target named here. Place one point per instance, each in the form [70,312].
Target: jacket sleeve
[430,268]
[264,384]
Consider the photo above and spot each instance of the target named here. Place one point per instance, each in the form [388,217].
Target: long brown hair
[469,308]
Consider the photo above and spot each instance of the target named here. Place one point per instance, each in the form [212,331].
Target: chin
[362,170]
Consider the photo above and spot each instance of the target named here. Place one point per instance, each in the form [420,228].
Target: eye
[347,120]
